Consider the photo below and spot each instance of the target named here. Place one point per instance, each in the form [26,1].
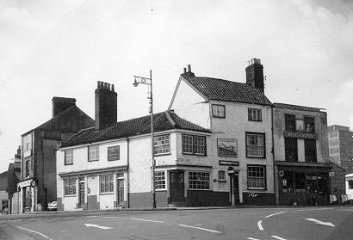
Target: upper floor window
[106,183]
[289,122]
[255,145]
[69,157]
[28,167]
[291,149]
[194,145]
[159,180]
[93,153]
[161,144]
[254,114]
[309,124]
[256,177]
[199,180]
[69,187]
[218,111]
[310,150]
[306,124]
[114,153]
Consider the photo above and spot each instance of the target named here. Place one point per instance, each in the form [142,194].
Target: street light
[148,81]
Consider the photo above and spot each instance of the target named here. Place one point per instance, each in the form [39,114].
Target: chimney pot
[189,68]
[113,90]
[184,70]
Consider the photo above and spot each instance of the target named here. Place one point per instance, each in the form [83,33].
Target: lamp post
[148,81]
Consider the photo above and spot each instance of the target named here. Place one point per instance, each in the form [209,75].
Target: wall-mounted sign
[284,182]
[281,173]
[228,163]
[227,147]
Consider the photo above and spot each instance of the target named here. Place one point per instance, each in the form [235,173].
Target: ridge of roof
[225,90]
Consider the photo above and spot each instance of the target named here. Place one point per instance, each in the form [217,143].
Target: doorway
[81,195]
[176,184]
[120,191]
[234,189]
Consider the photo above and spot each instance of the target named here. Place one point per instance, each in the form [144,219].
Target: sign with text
[228,163]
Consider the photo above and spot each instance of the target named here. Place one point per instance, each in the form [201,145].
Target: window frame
[66,154]
[309,120]
[287,147]
[264,144]
[350,184]
[258,114]
[160,182]
[71,187]
[165,145]
[310,152]
[109,155]
[194,145]
[96,153]
[194,184]
[215,113]
[264,177]
[290,122]
[107,183]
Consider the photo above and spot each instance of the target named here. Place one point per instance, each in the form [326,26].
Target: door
[81,195]
[176,180]
[120,191]
[234,189]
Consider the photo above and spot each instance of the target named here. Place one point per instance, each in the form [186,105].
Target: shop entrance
[234,189]
[81,194]
[176,184]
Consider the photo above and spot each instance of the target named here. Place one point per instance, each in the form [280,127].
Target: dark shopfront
[306,185]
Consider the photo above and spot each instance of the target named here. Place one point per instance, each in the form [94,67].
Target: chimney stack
[105,105]
[188,72]
[61,103]
[255,74]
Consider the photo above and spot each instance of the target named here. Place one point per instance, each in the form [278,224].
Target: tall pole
[148,81]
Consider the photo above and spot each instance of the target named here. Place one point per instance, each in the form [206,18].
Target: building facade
[340,141]
[239,117]
[37,185]
[301,155]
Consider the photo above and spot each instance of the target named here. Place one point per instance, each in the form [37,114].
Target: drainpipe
[128,171]
[275,175]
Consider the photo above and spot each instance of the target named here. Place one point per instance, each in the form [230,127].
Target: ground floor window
[199,180]
[350,184]
[159,180]
[106,183]
[256,177]
[69,187]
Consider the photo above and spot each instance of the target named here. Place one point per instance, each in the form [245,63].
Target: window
[218,111]
[255,145]
[161,144]
[159,180]
[69,157]
[199,180]
[350,184]
[106,183]
[299,125]
[256,177]
[28,167]
[69,187]
[309,124]
[194,145]
[93,153]
[289,122]
[254,114]
[310,150]
[291,149]
[114,153]
[221,176]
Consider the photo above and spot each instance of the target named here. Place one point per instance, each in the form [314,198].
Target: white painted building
[349,186]
[240,119]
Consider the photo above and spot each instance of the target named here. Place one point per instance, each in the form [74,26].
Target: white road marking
[91,216]
[280,238]
[39,233]
[273,214]
[97,226]
[146,220]
[320,222]
[250,238]
[259,224]
[320,209]
[204,229]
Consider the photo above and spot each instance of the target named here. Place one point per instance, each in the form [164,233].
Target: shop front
[27,191]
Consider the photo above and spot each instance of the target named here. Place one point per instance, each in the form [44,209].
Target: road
[327,223]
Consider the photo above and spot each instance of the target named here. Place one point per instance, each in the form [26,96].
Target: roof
[296,107]
[64,121]
[162,121]
[224,90]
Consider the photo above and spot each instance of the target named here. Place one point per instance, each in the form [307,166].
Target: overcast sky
[63,47]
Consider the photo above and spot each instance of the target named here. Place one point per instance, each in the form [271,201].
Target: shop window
[194,145]
[254,114]
[256,177]
[289,122]
[291,149]
[69,157]
[69,187]
[161,144]
[199,180]
[218,111]
[106,183]
[93,153]
[350,184]
[310,150]
[255,145]
[114,153]
[299,179]
[159,180]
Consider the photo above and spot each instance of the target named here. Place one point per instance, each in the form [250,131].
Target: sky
[63,47]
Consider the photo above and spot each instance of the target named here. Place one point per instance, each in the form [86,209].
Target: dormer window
[218,111]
